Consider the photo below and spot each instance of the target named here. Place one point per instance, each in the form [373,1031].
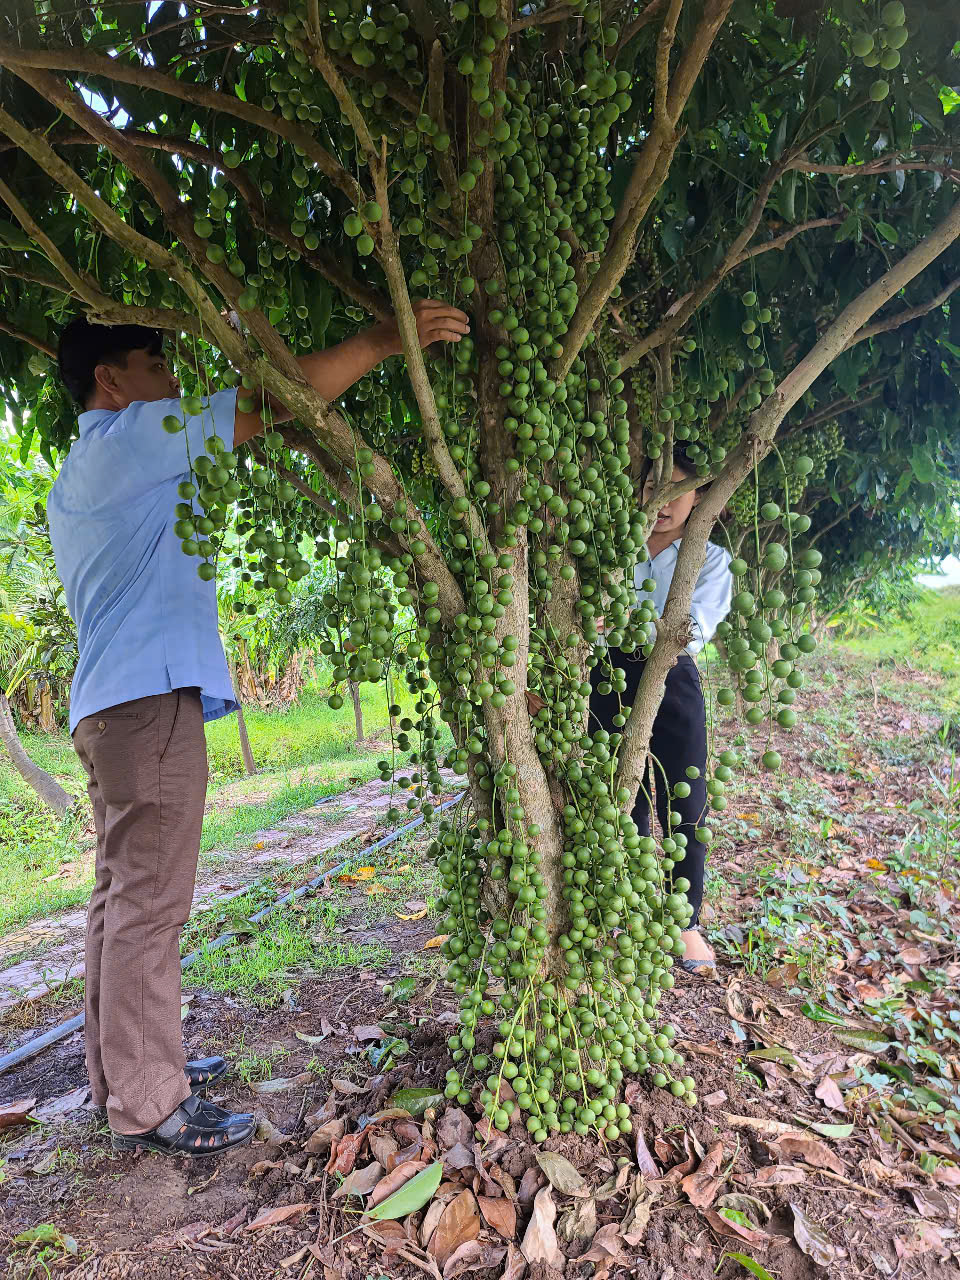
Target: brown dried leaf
[343,1156]
[347,1087]
[473,1256]
[459,1223]
[62,1106]
[829,1094]
[393,1181]
[368,1033]
[760,1123]
[680,1171]
[561,1174]
[701,1188]
[280,1084]
[459,1156]
[383,1146]
[634,1225]
[813,1240]
[528,1187]
[431,1218]
[726,1227]
[810,1150]
[778,1175]
[934,1204]
[279,1213]
[14,1113]
[579,1224]
[607,1248]
[454,1126]
[361,1182]
[499,1214]
[540,1239]
[322,1139]
[413,1152]
[715,1099]
[516,1264]
[645,1161]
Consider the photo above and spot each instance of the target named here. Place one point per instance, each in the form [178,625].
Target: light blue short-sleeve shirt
[146,622]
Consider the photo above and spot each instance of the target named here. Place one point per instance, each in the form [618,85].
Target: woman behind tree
[679,737]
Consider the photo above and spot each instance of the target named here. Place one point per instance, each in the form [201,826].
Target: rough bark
[46,787]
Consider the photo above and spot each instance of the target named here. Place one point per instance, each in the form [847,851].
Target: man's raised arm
[332,371]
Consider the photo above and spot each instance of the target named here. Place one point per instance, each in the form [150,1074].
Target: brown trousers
[146,764]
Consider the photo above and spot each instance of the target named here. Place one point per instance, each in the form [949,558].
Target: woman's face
[675,514]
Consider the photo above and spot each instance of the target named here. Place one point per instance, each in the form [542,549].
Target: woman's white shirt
[711,595]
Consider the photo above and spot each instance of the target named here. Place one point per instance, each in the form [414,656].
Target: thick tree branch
[22,336]
[553,13]
[639,22]
[147,78]
[904,317]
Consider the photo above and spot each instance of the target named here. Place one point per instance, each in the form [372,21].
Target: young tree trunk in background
[357,709]
[249,763]
[46,787]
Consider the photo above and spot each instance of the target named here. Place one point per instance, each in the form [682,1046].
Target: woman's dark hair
[83,345]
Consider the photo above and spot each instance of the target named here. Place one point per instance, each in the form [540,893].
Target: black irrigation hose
[55,1034]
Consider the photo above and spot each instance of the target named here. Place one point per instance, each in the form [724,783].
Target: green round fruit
[879,90]
[893,14]
[862,44]
[749,299]
[771,759]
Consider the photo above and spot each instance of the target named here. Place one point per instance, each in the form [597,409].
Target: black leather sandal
[203,1072]
[196,1128]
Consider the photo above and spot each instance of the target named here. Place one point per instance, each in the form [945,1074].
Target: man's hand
[436,322]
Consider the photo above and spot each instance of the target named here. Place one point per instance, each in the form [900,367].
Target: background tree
[712,222]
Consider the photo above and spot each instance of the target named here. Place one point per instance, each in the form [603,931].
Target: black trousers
[678,740]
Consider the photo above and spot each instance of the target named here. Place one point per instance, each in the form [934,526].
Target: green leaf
[753,1267]
[404,988]
[869,1041]
[923,465]
[382,1056]
[47,1233]
[416,1101]
[775,1053]
[818,1014]
[888,232]
[413,1195]
[828,1130]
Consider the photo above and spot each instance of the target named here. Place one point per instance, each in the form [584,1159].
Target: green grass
[35,846]
[928,641]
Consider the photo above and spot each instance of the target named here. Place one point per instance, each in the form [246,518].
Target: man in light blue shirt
[151,671]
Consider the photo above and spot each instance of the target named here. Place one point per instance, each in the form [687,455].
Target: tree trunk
[357,709]
[249,763]
[46,787]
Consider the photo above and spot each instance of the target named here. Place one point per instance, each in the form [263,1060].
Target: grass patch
[283,952]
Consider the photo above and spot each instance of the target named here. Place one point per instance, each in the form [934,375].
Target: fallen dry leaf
[347,1087]
[459,1222]
[810,1150]
[430,1219]
[361,1182]
[473,1256]
[501,1214]
[454,1126]
[392,1182]
[368,1033]
[645,1161]
[607,1248]
[778,1175]
[516,1264]
[62,1106]
[579,1224]
[14,1113]
[540,1239]
[358,875]
[727,1227]
[529,1185]
[323,1138]
[459,1156]
[635,1221]
[701,1188]
[813,1240]
[760,1123]
[279,1213]
[828,1091]
[343,1156]
[438,941]
[715,1099]
[417,915]
[561,1174]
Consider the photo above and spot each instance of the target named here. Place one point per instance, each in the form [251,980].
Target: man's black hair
[83,345]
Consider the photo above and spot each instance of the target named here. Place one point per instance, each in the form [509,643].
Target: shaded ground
[835,1006]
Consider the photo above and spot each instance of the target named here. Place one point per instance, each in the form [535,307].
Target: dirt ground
[745,1174]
